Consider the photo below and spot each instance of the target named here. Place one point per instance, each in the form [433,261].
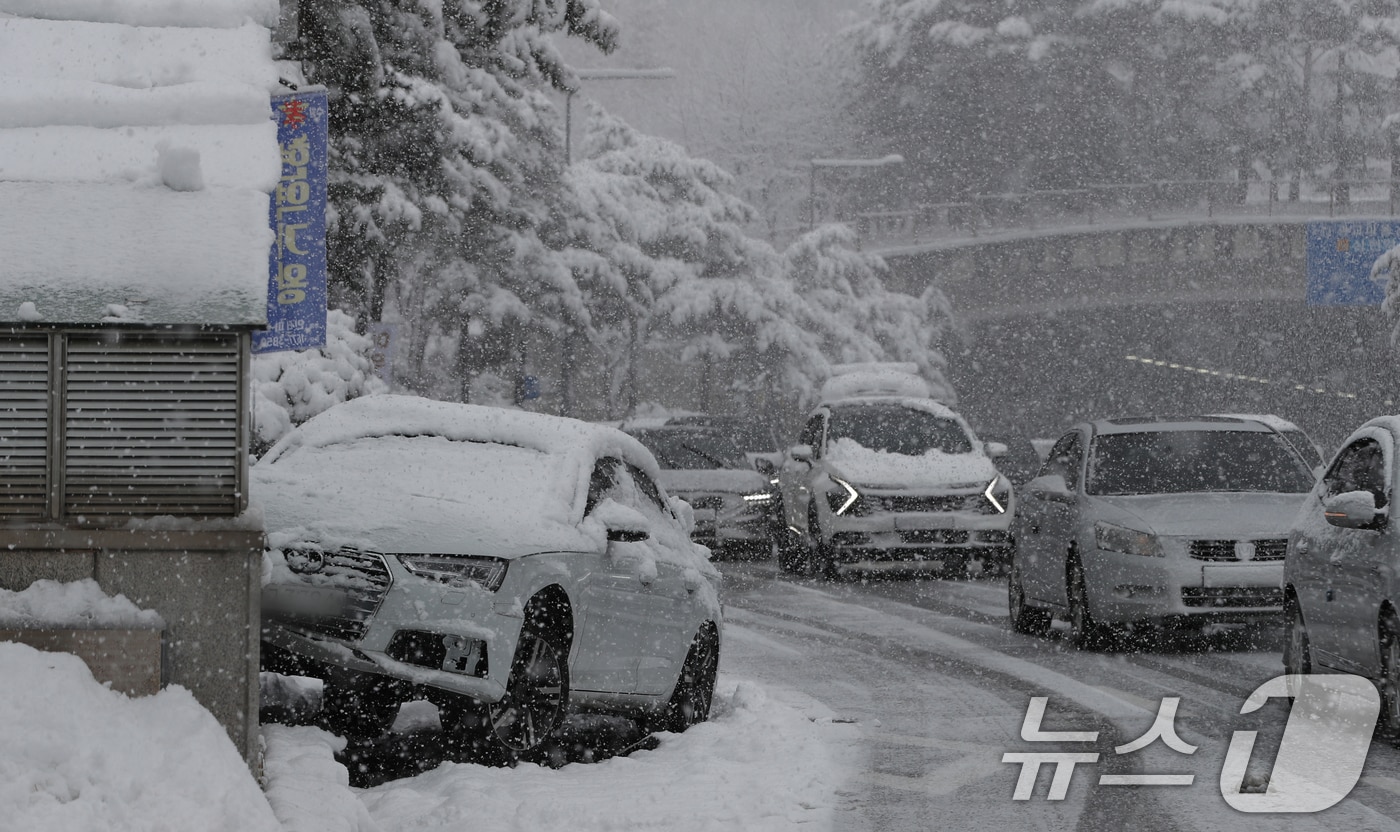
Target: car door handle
[692,581]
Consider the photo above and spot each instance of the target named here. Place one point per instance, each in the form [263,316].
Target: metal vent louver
[24,426]
[151,426]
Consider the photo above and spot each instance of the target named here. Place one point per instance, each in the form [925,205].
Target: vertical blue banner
[1340,255]
[296,289]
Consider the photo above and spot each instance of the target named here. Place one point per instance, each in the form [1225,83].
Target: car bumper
[918,536]
[1133,588]
[421,632]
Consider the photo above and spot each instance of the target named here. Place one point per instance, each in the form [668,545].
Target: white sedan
[1175,523]
[507,566]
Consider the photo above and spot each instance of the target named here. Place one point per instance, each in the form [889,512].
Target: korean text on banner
[296,292]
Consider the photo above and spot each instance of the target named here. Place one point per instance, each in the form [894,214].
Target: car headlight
[1113,538]
[454,570]
[758,498]
[846,499]
[995,498]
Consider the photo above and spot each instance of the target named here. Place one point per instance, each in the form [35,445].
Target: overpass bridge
[1134,315]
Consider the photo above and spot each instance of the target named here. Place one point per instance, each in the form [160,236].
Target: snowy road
[938,686]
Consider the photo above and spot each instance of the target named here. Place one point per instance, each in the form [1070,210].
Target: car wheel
[360,710]
[1297,651]
[1085,632]
[1389,723]
[695,687]
[820,563]
[1032,621]
[789,551]
[530,715]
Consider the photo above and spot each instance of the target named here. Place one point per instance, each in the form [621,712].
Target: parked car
[707,469]
[1295,435]
[507,566]
[1340,584]
[1168,522]
[890,483]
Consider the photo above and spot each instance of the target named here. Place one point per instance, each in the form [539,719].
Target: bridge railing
[979,215]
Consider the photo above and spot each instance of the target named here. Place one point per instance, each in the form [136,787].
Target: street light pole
[603,74]
[891,159]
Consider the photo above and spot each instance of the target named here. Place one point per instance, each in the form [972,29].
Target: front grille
[1272,549]
[1231,596]
[364,578]
[911,503]
[945,536]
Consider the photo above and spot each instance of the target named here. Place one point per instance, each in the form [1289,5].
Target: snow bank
[190,13]
[75,755]
[78,604]
[761,763]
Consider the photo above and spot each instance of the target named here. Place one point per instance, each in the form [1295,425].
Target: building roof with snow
[137,152]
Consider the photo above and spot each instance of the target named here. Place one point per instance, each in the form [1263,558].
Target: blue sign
[1340,256]
[296,289]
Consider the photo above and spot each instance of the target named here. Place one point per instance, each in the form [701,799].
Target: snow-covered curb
[767,760]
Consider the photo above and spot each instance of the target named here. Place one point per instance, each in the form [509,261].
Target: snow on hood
[727,480]
[1210,515]
[932,469]
[403,474]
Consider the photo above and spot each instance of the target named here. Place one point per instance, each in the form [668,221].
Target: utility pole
[603,74]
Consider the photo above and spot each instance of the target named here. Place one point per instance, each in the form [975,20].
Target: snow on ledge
[219,14]
[81,604]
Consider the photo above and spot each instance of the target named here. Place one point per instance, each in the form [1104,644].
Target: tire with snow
[1031,621]
[528,719]
[695,687]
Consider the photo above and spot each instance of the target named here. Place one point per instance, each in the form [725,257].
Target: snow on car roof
[1275,422]
[875,379]
[913,402]
[405,474]
[1152,424]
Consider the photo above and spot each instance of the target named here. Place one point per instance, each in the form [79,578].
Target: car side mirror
[801,453]
[1354,510]
[996,450]
[1050,486]
[764,466]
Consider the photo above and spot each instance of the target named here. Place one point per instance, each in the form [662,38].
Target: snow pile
[759,764]
[308,790]
[291,387]
[78,604]
[77,756]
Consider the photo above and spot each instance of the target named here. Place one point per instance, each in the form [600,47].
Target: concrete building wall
[204,583]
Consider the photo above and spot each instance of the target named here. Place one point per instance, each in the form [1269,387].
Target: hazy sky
[724,52]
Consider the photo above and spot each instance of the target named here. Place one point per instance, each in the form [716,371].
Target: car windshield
[692,450]
[898,430]
[1175,462]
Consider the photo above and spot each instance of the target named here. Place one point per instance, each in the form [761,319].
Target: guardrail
[984,214]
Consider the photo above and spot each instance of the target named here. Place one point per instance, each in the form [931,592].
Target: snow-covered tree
[445,167]
[847,285]
[291,387]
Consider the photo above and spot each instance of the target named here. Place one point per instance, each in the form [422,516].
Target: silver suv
[891,483]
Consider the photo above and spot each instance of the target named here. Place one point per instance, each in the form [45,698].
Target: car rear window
[1176,462]
[898,430]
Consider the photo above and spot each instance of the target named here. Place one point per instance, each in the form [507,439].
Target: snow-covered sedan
[1150,521]
[891,483]
[507,566]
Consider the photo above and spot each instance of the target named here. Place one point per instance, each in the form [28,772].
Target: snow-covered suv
[891,483]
